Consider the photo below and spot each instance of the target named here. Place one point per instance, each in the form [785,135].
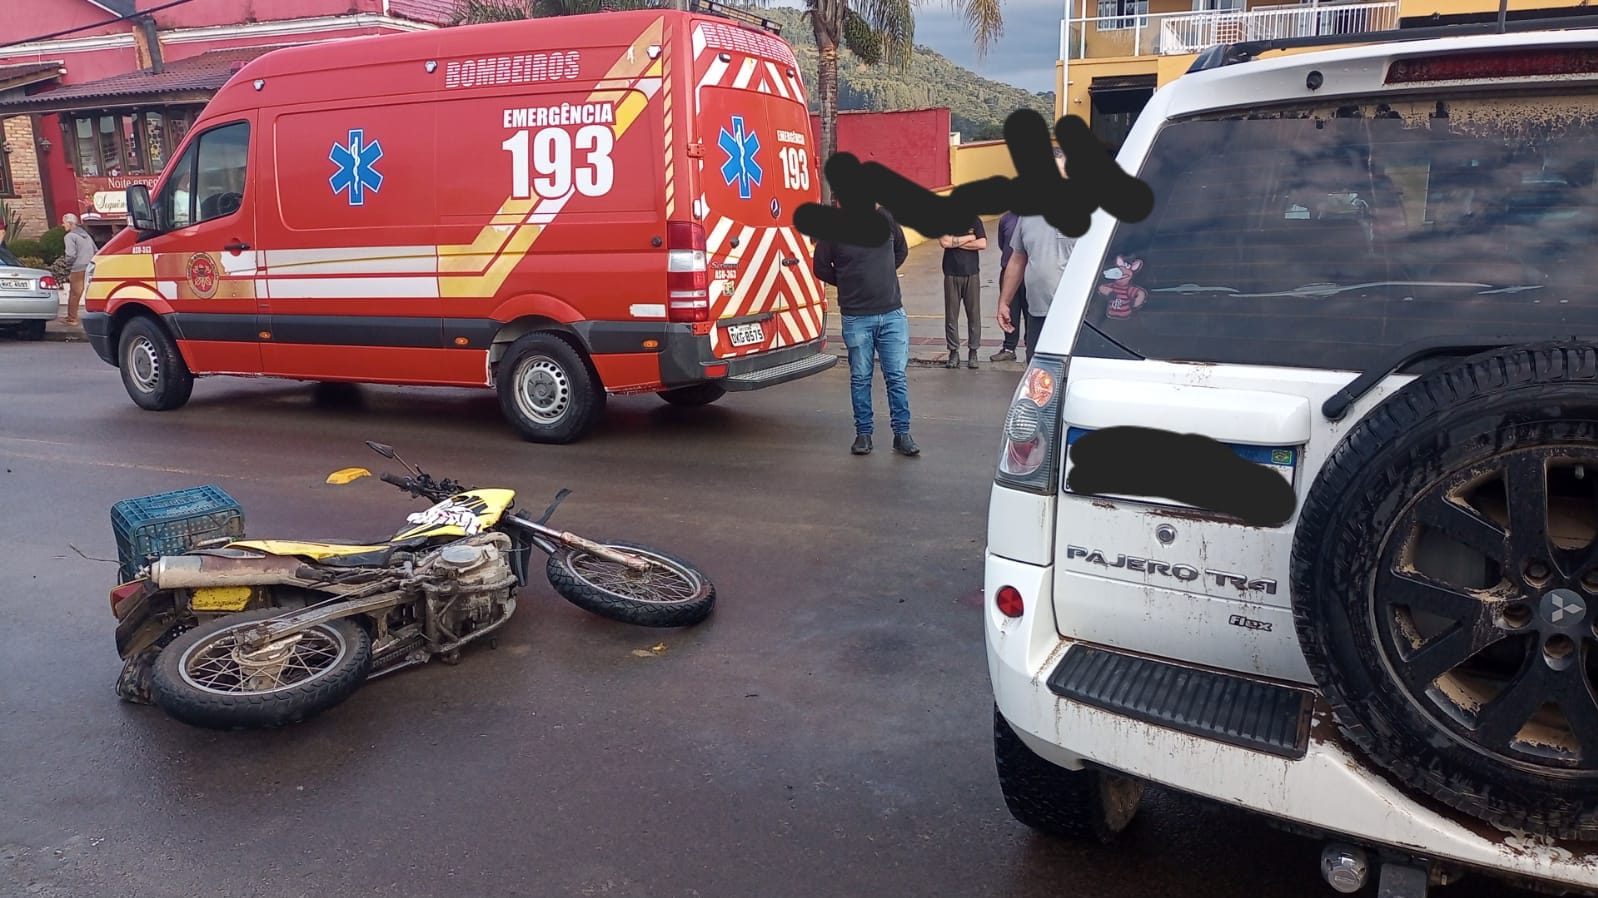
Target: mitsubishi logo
[1563,607]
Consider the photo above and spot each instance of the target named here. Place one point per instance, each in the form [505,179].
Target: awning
[192,80]
[23,74]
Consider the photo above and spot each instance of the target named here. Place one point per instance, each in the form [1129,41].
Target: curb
[836,347]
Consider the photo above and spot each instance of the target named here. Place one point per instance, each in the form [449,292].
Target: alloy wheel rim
[1504,655]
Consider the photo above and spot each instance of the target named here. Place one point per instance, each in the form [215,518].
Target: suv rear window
[1322,236]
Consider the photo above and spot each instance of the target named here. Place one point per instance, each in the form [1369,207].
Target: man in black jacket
[874,325]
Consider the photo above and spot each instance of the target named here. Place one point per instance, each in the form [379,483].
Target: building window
[1115,15]
[8,185]
[138,142]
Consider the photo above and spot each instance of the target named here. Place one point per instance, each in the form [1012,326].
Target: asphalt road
[826,732]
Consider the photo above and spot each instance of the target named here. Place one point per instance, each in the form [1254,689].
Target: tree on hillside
[877,31]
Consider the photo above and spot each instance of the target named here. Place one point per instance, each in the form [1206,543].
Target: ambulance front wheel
[548,391]
[153,370]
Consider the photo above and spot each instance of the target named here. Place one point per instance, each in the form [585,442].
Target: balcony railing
[1191,32]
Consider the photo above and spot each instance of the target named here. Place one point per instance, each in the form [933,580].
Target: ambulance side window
[219,171]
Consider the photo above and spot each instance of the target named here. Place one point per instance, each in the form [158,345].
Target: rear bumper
[1329,788]
[686,358]
[44,306]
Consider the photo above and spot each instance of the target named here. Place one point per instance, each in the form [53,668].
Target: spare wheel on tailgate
[1445,586]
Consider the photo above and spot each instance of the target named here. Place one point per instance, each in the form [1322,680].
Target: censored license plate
[220,598]
[1283,460]
[10,284]
[746,334]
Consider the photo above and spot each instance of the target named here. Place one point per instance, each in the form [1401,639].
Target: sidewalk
[921,280]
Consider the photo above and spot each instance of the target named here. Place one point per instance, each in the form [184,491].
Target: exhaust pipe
[194,571]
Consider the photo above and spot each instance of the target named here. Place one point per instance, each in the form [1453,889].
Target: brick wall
[23,162]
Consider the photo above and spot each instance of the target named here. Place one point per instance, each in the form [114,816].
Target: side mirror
[141,212]
[380,449]
[347,475]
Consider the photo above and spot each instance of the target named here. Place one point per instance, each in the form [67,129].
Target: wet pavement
[826,732]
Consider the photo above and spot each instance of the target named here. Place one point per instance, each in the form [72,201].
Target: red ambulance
[559,209]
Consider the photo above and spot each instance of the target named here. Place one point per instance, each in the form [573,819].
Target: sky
[1023,56]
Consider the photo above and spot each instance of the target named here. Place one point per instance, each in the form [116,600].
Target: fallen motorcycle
[236,633]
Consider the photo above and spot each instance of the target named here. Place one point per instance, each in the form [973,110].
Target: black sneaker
[972,361]
[1003,355]
[954,360]
[905,445]
[862,444]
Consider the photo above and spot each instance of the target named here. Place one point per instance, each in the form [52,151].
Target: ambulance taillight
[687,279]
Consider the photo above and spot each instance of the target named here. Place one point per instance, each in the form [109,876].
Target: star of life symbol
[446,514]
[740,166]
[356,172]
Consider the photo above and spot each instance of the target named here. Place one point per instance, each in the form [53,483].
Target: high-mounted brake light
[1027,460]
[687,278]
[1539,63]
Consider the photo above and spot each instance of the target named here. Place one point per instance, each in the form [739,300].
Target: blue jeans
[868,337]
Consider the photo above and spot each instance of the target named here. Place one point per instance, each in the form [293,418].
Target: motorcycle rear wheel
[672,593]
[203,680]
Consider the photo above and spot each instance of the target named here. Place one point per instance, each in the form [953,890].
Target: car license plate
[746,334]
[220,598]
[16,285]
[1281,459]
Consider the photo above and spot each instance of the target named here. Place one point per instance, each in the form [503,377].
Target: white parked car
[28,297]
[1371,273]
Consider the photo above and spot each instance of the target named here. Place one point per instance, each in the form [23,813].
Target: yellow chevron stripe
[499,247]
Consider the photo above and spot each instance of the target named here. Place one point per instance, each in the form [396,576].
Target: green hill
[977,106]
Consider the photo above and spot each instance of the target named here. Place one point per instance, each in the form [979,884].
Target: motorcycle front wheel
[672,593]
[206,678]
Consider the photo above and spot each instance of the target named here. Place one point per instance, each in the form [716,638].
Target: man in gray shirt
[79,251]
[1038,257]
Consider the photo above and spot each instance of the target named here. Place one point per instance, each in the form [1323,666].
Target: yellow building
[1114,53]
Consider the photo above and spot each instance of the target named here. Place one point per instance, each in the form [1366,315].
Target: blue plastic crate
[172,523]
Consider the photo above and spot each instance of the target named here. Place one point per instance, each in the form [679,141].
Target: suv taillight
[1029,460]
[687,280]
[48,282]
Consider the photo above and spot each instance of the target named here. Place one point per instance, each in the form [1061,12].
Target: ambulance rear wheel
[698,394]
[153,371]
[548,391]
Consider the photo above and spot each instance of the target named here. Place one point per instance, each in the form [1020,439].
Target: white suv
[1372,273]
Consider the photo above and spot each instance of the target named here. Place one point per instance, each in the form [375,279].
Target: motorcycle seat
[333,553]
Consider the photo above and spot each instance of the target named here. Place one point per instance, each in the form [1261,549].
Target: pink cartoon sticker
[1124,296]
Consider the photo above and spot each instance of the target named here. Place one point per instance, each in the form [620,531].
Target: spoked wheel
[1445,580]
[208,677]
[1507,659]
[672,593]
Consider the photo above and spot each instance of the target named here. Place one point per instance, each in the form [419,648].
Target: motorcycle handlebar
[403,483]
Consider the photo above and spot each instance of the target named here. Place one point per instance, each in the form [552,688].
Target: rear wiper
[1335,407]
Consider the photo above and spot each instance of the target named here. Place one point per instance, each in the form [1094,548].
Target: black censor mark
[1190,468]
[1094,182]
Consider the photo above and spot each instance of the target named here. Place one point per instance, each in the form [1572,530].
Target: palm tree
[875,31]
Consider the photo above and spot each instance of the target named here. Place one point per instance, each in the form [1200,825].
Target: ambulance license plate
[746,334]
[16,285]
